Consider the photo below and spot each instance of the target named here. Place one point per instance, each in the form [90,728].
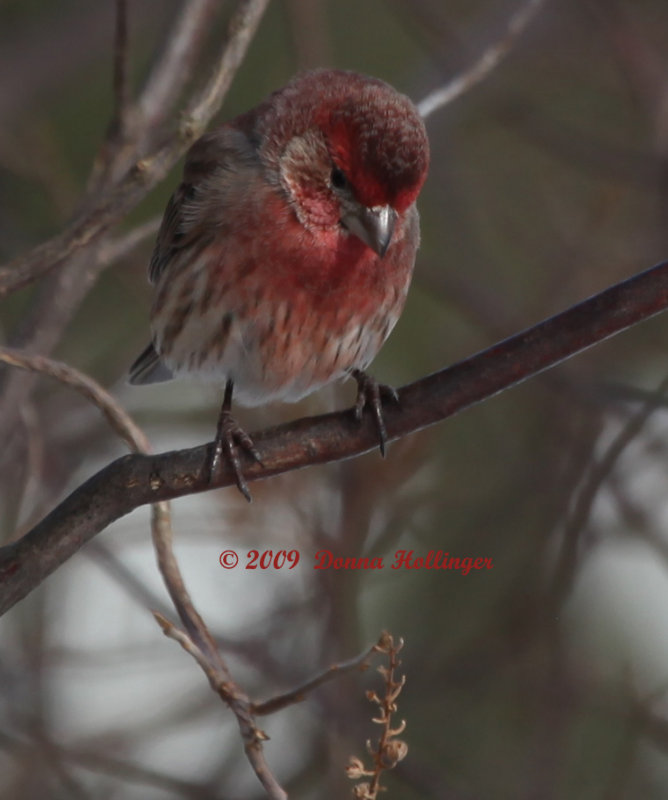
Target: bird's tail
[149,368]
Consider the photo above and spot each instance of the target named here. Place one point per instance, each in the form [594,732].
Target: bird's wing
[189,223]
[149,368]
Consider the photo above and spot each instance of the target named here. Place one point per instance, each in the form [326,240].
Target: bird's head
[351,153]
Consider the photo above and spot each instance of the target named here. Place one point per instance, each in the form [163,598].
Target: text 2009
[269,559]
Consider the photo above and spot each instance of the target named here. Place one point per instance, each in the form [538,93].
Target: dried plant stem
[389,750]
[387,754]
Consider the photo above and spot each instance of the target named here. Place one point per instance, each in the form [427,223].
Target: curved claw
[229,437]
[371,393]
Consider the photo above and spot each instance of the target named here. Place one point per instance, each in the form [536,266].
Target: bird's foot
[230,436]
[371,393]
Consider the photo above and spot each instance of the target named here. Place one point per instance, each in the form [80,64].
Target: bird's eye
[338,179]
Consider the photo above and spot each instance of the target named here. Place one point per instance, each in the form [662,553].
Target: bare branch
[110,206]
[174,68]
[113,250]
[221,682]
[360,662]
[55,302]
[240,32]
[487,62]
[88,226]
[118,418]
[577,520]
[198,641]
[172,632]
[135,480]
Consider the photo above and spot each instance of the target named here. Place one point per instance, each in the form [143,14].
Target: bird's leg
[229,434]
[371,393]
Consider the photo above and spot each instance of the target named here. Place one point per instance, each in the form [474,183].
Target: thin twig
[133,585]
[55,302]
[487,62]
[221,682]
[118,418]
[99,760]
[42,329]
[121,86]
[360,662]
[576,522]
[240,32]
[58,298]
[26,497]
[198,642]
[112,204]
[175,66]
[114,249]
[389,750]
[172,632]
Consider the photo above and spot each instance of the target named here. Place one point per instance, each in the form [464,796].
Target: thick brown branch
[135,480]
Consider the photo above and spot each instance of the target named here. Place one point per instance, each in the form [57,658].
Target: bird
[285,255]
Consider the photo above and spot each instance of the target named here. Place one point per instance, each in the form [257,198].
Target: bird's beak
[374,226]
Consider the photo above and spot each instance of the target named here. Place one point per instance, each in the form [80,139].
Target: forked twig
[198,641]
[222,683]
[111,204]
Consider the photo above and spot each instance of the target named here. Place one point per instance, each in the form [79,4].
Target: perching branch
[136,480]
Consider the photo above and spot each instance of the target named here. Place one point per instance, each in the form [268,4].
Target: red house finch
[285,255]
